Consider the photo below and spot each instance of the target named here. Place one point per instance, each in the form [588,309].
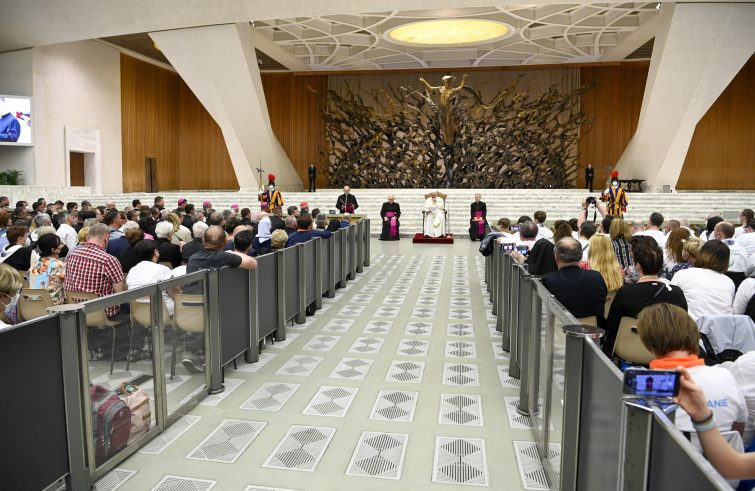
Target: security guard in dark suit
[312,173]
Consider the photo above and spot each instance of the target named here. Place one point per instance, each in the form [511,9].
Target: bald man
[390,213]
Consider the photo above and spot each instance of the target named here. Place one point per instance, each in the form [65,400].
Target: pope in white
[435,217]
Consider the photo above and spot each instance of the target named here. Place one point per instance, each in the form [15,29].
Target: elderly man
[90,269]
[478,224]
[435,216]
[638,226]
[390,213]
[168,251]
[581,292]
[347,202]
[196,244]
[65,231]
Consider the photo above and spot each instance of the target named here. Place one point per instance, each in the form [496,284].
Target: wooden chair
[628,346]
[589,321]
[96,319]
[141,314]
[187,317]
[33,303]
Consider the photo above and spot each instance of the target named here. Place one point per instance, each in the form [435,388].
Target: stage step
[510,203]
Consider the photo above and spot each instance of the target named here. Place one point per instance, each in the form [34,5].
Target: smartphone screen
[515,228]
[651,383]
[523,250]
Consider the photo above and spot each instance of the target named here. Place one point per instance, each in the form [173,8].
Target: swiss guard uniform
[271,196]
[615,197]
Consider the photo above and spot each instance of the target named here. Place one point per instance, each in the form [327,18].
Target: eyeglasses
[18,292]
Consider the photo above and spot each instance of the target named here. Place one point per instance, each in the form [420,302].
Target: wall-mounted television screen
[15,120]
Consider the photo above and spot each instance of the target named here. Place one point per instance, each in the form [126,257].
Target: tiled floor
[397,383]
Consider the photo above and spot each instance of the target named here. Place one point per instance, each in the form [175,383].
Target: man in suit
[347,202]
[589,176]
[581,292]
[312,173]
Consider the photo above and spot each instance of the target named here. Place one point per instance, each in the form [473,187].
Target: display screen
[15,120]
[651,383]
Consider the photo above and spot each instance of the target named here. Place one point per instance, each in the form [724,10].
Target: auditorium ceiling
[530,35]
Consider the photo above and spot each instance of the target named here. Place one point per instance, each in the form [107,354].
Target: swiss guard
[271,196]
[615,197]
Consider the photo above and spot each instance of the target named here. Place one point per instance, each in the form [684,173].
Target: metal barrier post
[576,337]
[71,345]
[360,246]
[513,320]
[331,272]
[319,244]
[253,353]
[636,434]
[213,352]
[495,277]
[504,301]
[344,256]
[530,320]
[158,362]
[301,315]
[487,272]
[280,331]
[367,242]
[351,242]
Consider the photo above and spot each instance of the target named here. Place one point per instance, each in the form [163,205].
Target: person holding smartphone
[727,461]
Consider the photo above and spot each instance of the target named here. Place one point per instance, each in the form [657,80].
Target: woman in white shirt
[708,291]
[148,272]
[745,293]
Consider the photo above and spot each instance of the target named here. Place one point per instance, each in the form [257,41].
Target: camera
[650,384]
[591,200]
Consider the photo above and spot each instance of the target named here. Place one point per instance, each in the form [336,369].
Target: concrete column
[219,64]
[699,49]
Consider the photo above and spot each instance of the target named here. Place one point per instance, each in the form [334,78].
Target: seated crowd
[688,297]
[76,247]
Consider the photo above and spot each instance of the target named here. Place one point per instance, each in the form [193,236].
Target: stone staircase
[511,203]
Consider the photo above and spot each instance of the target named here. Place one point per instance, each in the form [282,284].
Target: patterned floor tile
[301,448]
[460,374]
[389,311]
[429,290]
[427,300]
[418,329]
[459,314]
[161,442]
[413,347]
[230,384]
[366,345]
[423,313]
[290,338]
[331,401]
[338,325]
[352,369]
[394,299]
[228,441]
[256,487]
[530,466]
[113,480]
[378,455]
[460,461]
[321,343]
[518,421]
[460,409]
[300,365]
[460,349]
[265,358]
[181,483]
[507,381]
[362,298]
[378,327]
[395,405]
[461,329]
[409,372]
[460,301]
[270,397]
[351,310]
[498,350]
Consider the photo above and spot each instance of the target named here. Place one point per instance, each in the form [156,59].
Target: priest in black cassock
[347,202]
[390,212]
[478,225]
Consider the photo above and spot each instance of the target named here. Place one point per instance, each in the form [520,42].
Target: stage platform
[510,203]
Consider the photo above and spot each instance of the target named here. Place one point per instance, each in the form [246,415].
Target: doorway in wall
[150,174]
[76,169]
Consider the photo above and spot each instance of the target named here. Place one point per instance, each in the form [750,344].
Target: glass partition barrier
[184,326]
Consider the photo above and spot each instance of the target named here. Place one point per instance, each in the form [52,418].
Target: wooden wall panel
[294,106]
[613,105]
[162,118]
[722,152]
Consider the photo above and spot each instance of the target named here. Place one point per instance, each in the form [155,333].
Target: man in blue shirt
[304,231]
[10,128]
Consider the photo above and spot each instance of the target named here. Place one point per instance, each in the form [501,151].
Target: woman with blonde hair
[620,233]
[83,236]
[673,248]
[10,288]
[602,258]
[690,249]
[180,233]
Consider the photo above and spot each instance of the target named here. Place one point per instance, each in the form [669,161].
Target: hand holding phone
[650,384]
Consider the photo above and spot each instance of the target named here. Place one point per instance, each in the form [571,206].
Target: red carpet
[421,239]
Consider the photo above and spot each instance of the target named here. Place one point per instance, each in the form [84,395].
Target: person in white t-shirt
[739,262]
[586,231]
[148,272]
[673,337]
[653,229]
[708,291]
[747,238]
[743,371]
[65,231]
[543,232]
[745,293]
[744,216]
